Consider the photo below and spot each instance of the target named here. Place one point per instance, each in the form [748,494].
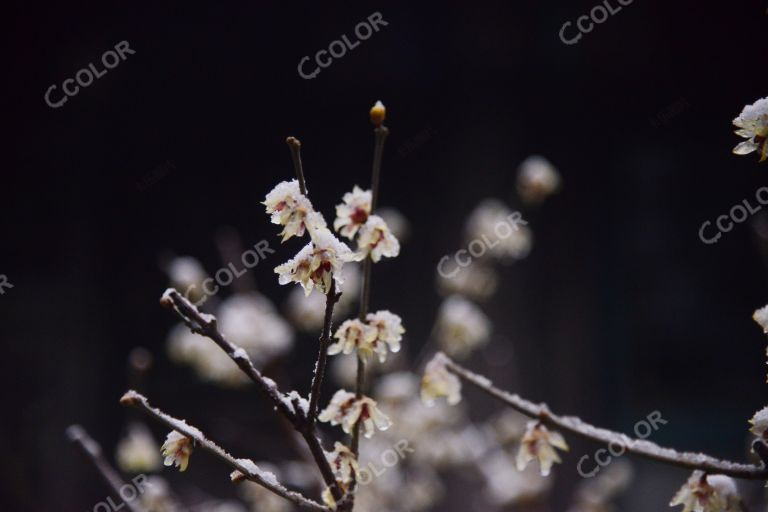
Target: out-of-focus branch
[244,468]
[205,324]
[80,438]
[642,448]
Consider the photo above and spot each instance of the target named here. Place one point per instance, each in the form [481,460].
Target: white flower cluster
[752,124]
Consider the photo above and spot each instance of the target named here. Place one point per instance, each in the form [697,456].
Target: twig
[295,146]
[380,133]
[642,448]
[322,356]
[205,325]
[79,437]
[245,467]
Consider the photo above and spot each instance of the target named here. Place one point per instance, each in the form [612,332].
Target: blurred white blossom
[503,232]
[461,327]
[537,179]
[759,423]
[397,222]
[138,452]
[439,382]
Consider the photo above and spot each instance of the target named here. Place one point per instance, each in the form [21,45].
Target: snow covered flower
[292,209]
[752,124]
[353,212]
[316,263]
[346,410]
[539,443]
[461,327]
[389,332]
[137,451]
[177,449]
[438,382]
[760,423]
[376,239]
[351,335]
[761,317]
[343,462]
[704,493]
[537,179]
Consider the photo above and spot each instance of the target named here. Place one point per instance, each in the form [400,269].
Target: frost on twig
[647,449]
[291,406]
[244,468]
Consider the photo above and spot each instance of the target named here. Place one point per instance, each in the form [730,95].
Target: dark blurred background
[619,310]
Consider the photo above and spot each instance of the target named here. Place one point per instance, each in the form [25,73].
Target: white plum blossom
[761,317]
[389,332]
[317,263]
[439,382]
[461,327]
[375,239]
[307,313]
[705,493]
[177,449]
[353,212]
[292,209]
[346,410]
[504,233]
[759,423]
[396,221]
[539,443]
[354,335]
[752,125]
[343,462]
[137,452]
[477,281]
[537,179]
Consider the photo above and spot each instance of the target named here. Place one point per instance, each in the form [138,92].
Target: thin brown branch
[80,438]
[295,146]
[244,467]
[322,356]
[380,133]
[205,324]
[642,448]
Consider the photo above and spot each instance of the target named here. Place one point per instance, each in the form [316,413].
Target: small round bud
[378,114]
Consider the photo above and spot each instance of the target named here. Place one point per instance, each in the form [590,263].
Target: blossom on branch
[353,212]
[376,239]
[752,125]
[439,382]
[343,462]
[389,332]
[292,209]
[539,443]
[705,493]
[316,263]
[346,410]
[351,335]
[177,448]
